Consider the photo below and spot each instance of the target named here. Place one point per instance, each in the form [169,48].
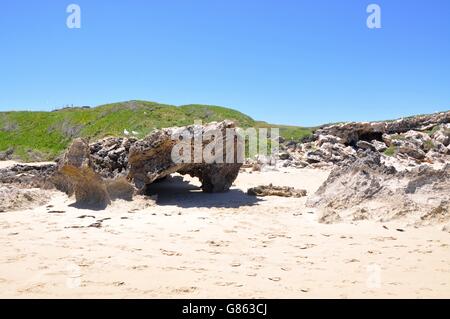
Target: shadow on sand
[177,192]
[88,206]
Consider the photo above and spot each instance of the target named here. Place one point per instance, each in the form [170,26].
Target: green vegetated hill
[44,135]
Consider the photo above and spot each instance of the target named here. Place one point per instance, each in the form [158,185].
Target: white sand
[195,245]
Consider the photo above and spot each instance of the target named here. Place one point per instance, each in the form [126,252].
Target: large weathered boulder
[409,148]
[442,135]
[152,158]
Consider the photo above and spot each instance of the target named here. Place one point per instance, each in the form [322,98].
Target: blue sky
[302,62]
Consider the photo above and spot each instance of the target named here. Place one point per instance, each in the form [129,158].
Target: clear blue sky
[300,62]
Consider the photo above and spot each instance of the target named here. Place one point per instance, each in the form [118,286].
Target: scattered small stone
[118,283]
[56,212]
[304,290]
[353,260]
[86,216]
[270,190]
[169,253]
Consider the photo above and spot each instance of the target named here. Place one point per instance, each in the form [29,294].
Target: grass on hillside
[45,135]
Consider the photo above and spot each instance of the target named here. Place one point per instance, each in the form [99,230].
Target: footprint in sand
[304,290]
[381,238]
[353,260]
[228,283]
[184,290]
[218,243]
[170,253]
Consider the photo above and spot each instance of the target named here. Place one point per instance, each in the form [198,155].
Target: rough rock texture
[32,176]
[409,142]
[150,159]
[270,190]
[16,198]
[102,171]
[109,156]
[76,175]
[350,133]
[368,189]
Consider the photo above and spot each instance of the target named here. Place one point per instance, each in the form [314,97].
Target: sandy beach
[182,243]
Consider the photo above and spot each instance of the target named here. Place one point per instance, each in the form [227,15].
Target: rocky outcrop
[369,189]
[24,186]
[16,198]
[105,170]
[351,133]
[410,142]
[29,176]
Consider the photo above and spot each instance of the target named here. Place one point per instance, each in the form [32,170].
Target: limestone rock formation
[76,175]
[270,190]
[109,156]
[29,176]
[351,133]
[107,169]
[151,159]
[409,141]
[24,186]
[17,198]
[369,189]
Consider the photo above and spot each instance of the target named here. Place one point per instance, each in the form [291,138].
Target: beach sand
[182,243]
